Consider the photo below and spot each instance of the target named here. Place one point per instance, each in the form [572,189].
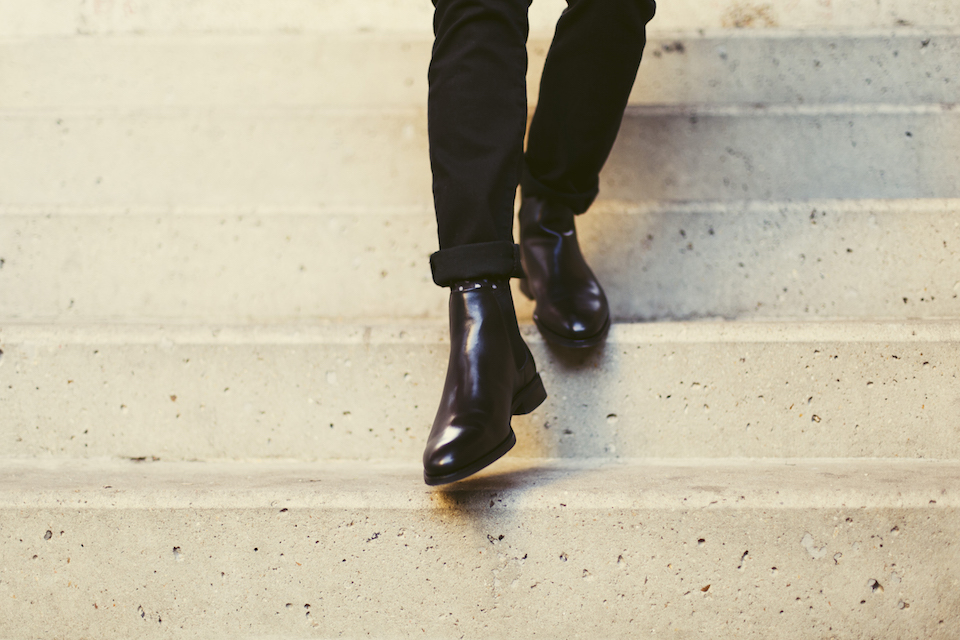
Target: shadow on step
[568,425]
[503,491]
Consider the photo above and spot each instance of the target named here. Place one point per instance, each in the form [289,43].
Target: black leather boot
[491,376]
[572,310]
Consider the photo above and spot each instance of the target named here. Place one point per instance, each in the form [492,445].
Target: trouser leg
[477,110]
[590,69]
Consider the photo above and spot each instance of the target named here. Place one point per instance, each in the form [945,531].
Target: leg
[590,69]
[477,115]
[586,82]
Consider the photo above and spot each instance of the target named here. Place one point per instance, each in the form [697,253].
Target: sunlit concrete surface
[712,389]
[839,548]
[221,350]
[68,17]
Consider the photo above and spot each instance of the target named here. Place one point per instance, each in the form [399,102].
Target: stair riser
[391,71]
[654,391]
[475,560]
[824,260]
[331,159]
[219,268]
[434,576]
[67,17]
[816,261]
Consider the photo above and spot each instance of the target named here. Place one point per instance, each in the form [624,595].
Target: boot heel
[525,288]
[530,397]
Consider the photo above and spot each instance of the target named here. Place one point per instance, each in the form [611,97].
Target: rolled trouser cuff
[576,202]
[481,260]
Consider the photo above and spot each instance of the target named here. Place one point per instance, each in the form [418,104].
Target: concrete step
[801,548]
[746,260]
[68,17]
[321,392]
[389,70]
[339,158]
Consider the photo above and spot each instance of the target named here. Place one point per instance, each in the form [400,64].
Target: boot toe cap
[574,321]
[453,450]
[453,460]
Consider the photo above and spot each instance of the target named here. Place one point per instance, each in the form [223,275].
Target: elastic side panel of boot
[505,301]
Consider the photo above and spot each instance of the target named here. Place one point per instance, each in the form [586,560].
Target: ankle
[551,214]
[502,295]
[474,284]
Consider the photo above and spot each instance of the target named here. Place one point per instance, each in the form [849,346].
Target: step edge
[387,331]
[654,34]
[514,483]
[602,206]
[717,110]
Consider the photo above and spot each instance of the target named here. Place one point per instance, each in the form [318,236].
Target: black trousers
[477,112]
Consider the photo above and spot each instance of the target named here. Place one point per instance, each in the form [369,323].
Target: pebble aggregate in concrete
[353,391]
[49,17]
[823,259]
[284,157]
[386,70]
[835,549]
[579,547]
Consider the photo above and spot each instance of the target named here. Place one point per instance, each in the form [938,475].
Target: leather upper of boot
[487,366]
[570,301]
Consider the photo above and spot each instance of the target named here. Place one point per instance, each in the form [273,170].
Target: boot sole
[555,338]
[526,400]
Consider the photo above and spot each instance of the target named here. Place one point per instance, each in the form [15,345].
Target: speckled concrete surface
[68,17]
[179,185]
[317,157]
[835,259]
[825,549]
[370,391]
[822,259]
[908,66]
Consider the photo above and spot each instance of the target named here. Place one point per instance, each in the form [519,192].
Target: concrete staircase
[221,349]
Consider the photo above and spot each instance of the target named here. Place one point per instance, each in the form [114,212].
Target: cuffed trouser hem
[578,203]
[481,260]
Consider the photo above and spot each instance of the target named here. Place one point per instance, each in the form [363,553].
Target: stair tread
[360,391]
[587,550]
